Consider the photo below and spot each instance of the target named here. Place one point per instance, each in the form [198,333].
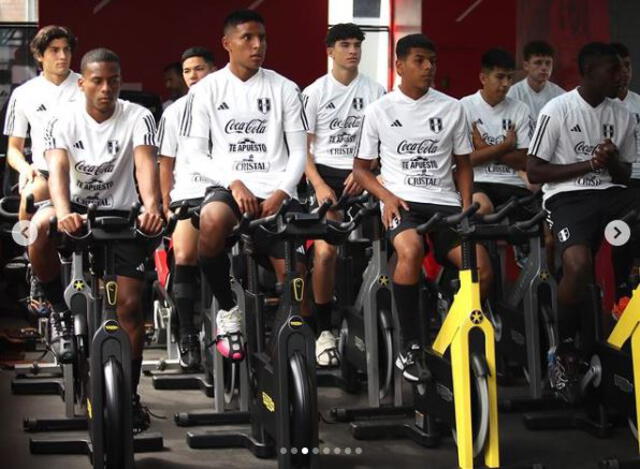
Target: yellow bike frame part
[627,327]
[465,315]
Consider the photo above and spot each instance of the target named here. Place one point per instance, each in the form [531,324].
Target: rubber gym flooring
[554,449]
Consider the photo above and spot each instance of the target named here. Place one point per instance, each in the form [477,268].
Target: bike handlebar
[438,220]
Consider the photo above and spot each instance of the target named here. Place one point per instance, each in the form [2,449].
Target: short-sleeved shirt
[101,158]
[31,106]
[189,180]
[632,102]
[568,131]
[493,122]
[246,122]
[415,141]
[334,112]
[535,100]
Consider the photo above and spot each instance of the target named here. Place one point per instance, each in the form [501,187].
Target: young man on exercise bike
[256,123]
[91,150]
[419,134]
[181,180]
[30,107]
[582,150]
[500,128]
[334,105]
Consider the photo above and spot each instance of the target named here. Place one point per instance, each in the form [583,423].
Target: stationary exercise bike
[609,388]
[462,353]
[524,319]
[283,399]
[369,334]
[102,351]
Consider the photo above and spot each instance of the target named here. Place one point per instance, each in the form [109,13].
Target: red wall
[149,34]
[461,44]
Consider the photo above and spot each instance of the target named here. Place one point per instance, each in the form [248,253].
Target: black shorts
[580,217]
[634,183]
[444,240]
[263,242]
[191,203]
[334,178]
[500,194]
[130,256]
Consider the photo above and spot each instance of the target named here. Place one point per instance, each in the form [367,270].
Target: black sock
[322,315]
[216,271]
[407,300]
[568,322]
[184,293]
[54,292]
[136,368]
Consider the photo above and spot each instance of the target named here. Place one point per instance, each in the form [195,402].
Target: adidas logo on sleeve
[396,123]
[223,107]
[576,128]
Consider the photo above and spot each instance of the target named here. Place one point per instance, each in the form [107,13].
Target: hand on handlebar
[71,223]
[150,223]
[26,177]
[324,192]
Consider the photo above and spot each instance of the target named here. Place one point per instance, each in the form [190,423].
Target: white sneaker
[229,340]
[326,351]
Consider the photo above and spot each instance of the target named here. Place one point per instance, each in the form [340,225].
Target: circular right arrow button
[617,233]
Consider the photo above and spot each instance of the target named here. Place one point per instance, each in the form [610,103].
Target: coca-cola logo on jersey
[582,148]
[95,170]
[351,122]
[250,127]
[426,146]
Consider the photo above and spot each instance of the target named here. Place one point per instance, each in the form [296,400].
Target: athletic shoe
[565,369]
[38,304]
[189,349]
[229,339]
[140,415]
[326,350]
[413,364]
[61,341]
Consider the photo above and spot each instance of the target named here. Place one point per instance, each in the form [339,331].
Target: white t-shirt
[334,112]
[568,131]
[632,103]
[189,180]
[32,105]
[101,159]
[415,140]
[492,123]
[246,122]
[534,99]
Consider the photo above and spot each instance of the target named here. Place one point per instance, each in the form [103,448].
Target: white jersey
[415,140]
[632,102]
[568,131]
[534,99]
[246,122]
[189,180]
[493,122]
[32,105]
[101,160]
[334,112]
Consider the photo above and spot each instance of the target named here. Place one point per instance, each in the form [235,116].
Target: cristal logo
[421,181]
[251,127]
[499,169]
[427,146]
[250,166]
[351,122]
[95,170]
[582,148]
[589,181]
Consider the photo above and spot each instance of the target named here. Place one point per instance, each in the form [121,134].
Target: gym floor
[554,449]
